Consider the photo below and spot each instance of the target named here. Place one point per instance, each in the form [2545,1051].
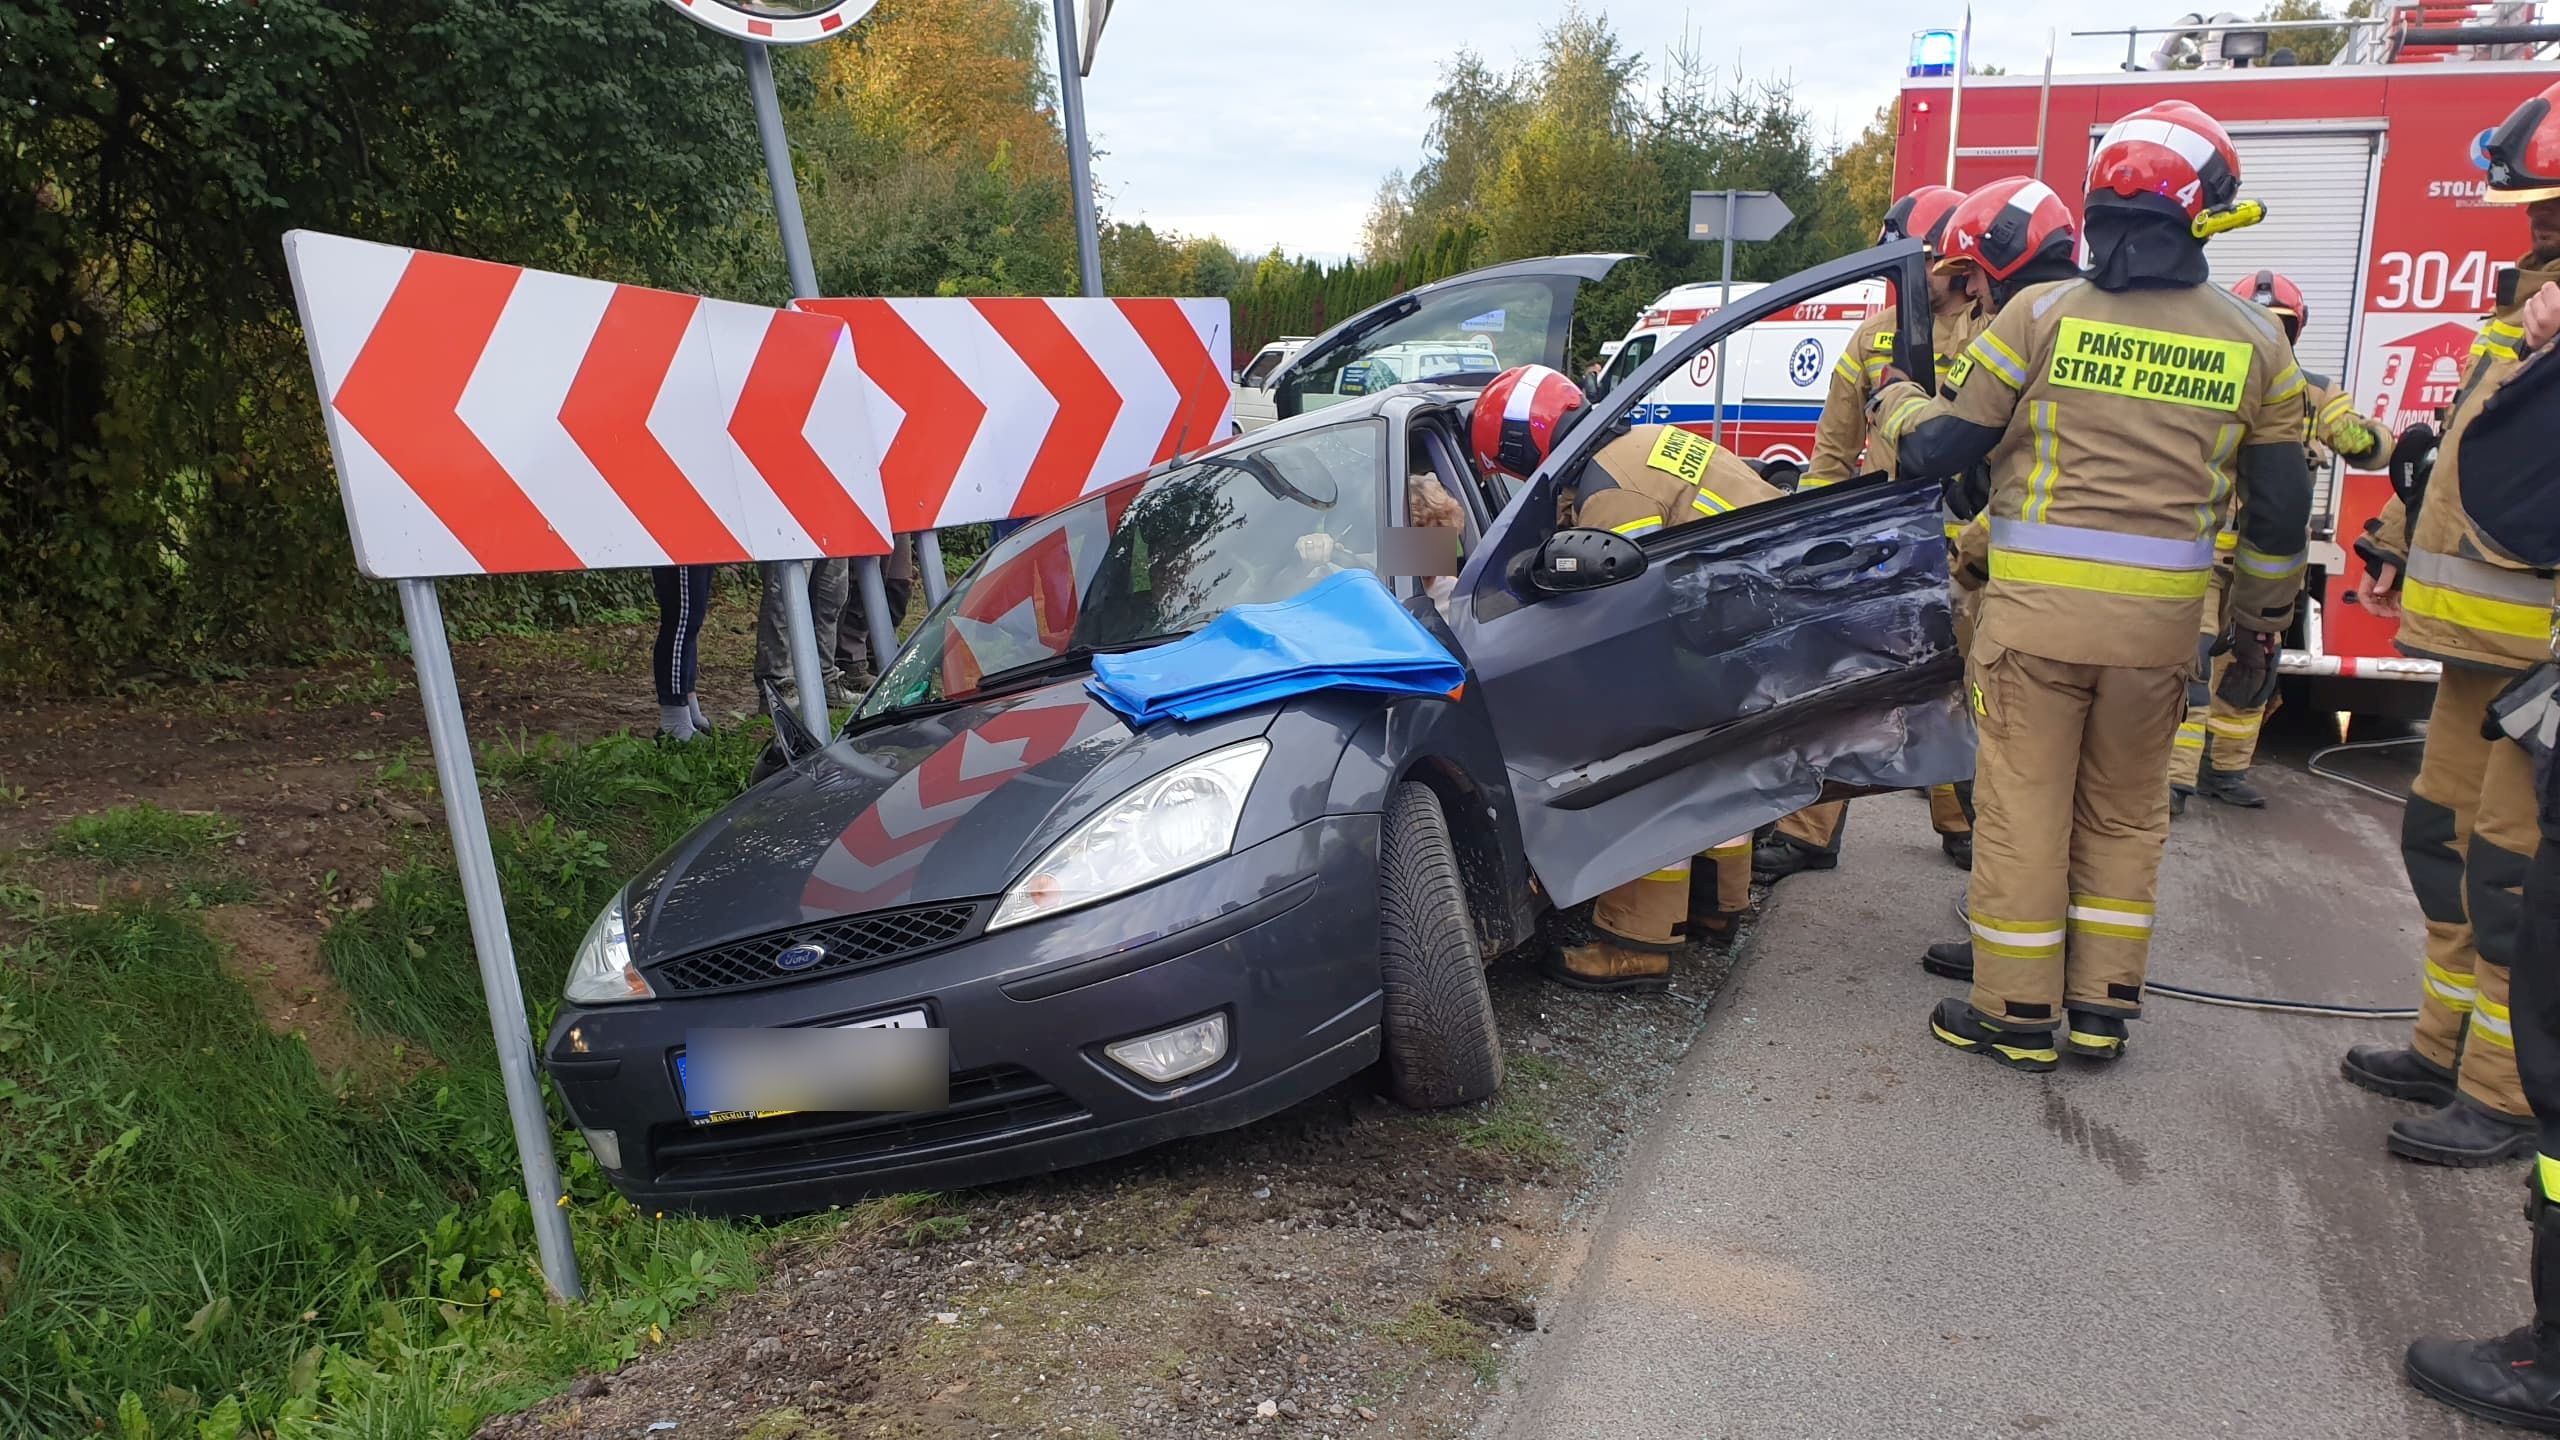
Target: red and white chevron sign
[995,409]
[490,419]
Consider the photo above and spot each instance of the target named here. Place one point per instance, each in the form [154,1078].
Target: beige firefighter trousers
[2069,818]
[2467,836]
[1654,912]
[2214,728]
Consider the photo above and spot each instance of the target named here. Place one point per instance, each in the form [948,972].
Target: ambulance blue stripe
[1733,414]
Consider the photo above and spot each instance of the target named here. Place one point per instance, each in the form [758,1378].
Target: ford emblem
[799,957]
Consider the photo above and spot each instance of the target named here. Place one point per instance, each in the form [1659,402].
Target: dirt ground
[1345,1268]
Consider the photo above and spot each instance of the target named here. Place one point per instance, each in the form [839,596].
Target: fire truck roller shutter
[2317,185]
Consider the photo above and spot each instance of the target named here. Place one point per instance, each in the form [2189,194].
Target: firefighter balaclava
[2162,179]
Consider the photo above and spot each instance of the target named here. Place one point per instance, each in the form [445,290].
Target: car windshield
[1150,560]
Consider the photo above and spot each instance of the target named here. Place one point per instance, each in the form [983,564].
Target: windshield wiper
[1073,657]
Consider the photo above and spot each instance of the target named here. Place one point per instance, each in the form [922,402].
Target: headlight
[1179,819]
[603,973]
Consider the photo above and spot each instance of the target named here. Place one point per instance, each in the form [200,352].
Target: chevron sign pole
[489,419]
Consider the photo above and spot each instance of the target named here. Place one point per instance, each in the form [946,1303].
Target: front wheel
[1442,1047]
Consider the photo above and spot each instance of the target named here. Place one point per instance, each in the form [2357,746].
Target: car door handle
[1839,557]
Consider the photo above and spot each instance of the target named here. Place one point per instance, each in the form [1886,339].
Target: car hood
[946,806]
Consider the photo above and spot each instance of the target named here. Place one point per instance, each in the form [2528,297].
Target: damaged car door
[1656,697]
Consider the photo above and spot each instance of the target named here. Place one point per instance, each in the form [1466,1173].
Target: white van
[1254,408]
[1777,372]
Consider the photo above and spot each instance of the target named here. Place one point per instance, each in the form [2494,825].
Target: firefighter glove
[2377,561]
[2251,681]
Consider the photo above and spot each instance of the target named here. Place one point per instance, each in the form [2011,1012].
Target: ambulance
[2372,175]
[1776,373]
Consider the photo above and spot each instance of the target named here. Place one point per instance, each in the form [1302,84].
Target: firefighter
[2216,742]
[2000,253]
[1810,838]
[2114,412]
[2515,1378]
[2467,835]
[1639,482]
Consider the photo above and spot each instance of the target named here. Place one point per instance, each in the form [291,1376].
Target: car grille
[989,1104]
[854,944]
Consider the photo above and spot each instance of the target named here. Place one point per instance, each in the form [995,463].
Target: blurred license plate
[903,1020]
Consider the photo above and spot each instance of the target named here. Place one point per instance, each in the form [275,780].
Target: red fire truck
[2371,173]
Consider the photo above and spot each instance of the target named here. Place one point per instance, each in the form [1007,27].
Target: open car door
[1729,670]
[1459,331]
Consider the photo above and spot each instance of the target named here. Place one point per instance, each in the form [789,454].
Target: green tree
[163,486]
[2313,46]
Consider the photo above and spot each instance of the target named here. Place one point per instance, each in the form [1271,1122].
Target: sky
[1272,122]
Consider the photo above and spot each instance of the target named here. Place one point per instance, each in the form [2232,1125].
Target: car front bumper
[1282,938]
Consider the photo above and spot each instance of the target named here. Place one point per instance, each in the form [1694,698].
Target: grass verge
[201,1240]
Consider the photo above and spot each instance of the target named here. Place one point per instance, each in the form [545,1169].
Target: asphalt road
[1840,1228]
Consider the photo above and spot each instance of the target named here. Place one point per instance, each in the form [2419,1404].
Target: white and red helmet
[1518,417]
[1920,215]
[2006,224]
[2524,153]
[2169,159]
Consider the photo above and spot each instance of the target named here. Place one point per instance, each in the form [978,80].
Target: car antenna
[1185,432]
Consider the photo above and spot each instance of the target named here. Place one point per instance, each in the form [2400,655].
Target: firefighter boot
[1955,1022]
[2178,799]
[2515,1378]
[2093,1036]
[1782,855]
[2231,787]
[2399,1072]
[1959,848]
[1605,966]
[1952,959]
[2465,1134]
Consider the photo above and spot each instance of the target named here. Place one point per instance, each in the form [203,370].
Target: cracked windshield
[1152,561]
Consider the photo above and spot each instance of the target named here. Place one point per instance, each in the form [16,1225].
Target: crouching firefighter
[2115,412]
[2511,448]
[2217,741]
[1810,838]
[1641,481]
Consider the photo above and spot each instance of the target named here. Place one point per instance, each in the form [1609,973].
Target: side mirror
[1578,559]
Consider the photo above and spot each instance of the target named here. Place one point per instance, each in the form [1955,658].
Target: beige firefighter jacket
[2458,603]
[1661,475]
[1843,431]
[2121,420]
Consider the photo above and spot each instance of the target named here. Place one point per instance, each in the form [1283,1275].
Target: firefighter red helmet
[2524,153]
[1920,215]
[2281,297]
[1518,418]
[2168,159]
[2005,224]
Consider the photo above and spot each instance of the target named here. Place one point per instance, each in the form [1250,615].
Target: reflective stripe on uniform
[2098,915]
[2287,384]
[2259,565]
[1707,502]
[1895,423]
[2048,466]
[2226,445]
[2547,1170]
[2499,339]
[2002,361]
[2457,992]
[2335,409]
[2477,595]
[2234,727]
[1731,848]
[2494,1023]
[1810,482]
[2016,939]
[1670,873]
[2099,576]
[1848,369]
[2079,542]
[1642,524]
[2190,736]
[2224,541]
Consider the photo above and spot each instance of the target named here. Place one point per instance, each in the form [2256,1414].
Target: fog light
[1186,1049]
[606,1146]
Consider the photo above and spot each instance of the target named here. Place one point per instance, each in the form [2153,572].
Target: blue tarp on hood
[1344,633]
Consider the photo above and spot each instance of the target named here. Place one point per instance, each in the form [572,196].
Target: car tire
[1441,1044]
